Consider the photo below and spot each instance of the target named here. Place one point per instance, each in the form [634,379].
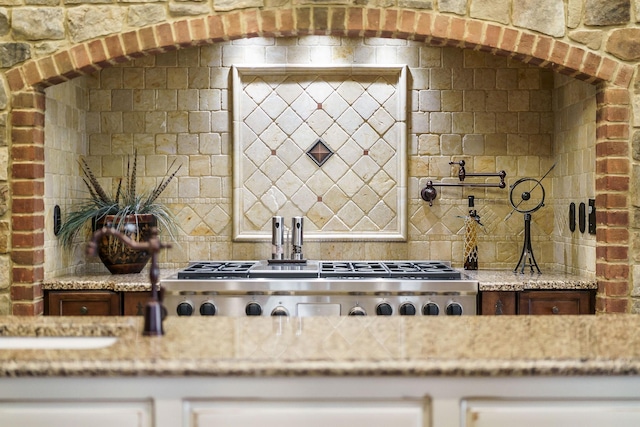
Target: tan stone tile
[485,123]
[485,78]
[440,79]
[111,78]
[506,78]
[188,99]
[451,144]
[452,100]
[111,122]
[143,100]
[440,122]
[475,100]
[187,143]
[518,100]
[529,122]
[474,145]
[529,78]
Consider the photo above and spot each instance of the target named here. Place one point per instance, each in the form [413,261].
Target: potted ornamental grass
[131,211]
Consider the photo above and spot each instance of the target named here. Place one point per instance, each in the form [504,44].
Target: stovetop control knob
[454,309]
[431,309]
[207,309]
[185,308]
[357,311]
[279,311]
[253,309]
[384,309]
[407,309]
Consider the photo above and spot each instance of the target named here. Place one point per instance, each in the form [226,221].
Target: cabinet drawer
[555,302]
[82,303]
[306,413]
[586,413]
[76,414]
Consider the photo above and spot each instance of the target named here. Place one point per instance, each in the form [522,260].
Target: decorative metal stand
[531,198]
[527,258]
[429,192]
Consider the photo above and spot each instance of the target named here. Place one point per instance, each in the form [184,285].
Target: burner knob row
[207,308]
[185,308]
[408,309]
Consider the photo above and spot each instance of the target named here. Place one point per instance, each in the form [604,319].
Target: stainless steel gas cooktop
[317,288]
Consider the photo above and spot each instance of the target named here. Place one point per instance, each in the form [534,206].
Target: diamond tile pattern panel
[361,117]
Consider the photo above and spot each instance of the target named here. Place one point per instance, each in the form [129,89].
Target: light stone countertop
[334,346]
[507,280]
[489,280]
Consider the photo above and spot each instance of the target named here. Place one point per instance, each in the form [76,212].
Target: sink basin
[55,343]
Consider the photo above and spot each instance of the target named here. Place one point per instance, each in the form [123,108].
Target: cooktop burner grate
[216,270]
[412,270]
[422,270]
[353,269]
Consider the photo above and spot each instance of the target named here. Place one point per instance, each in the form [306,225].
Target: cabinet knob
[84,310]
[555,310]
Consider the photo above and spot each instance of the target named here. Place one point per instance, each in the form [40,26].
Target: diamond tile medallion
[326,143]
[319,152]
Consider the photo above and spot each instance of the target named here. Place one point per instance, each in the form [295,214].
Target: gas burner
[353,269]
[216,270]
[422,270]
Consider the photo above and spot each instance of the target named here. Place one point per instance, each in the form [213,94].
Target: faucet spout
[153,309]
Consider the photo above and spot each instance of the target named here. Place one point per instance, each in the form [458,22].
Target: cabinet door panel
[552,414]
[82,303]
[497,303]
[555,302]
[134,303]
[307,414]
[75,414]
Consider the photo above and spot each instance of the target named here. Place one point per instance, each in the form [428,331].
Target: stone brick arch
[432,28]
[27,82]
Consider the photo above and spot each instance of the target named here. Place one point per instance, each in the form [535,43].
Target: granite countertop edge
[467,346]
[324,368]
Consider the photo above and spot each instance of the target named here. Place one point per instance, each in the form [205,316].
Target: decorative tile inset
[360,111]
[319,152]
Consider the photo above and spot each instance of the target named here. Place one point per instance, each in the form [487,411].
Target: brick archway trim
[435,29]
[27,83]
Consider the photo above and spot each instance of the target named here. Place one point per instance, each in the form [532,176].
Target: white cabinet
[305,413]
[557,413]
[75,414]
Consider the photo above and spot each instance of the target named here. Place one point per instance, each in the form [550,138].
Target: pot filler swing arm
[429,192]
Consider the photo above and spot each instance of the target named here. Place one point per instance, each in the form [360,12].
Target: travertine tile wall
[66,140]
[573,181]
[493,112]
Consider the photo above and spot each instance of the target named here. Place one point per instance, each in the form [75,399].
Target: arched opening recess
[28,114]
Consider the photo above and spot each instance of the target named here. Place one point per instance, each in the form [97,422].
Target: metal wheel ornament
[526,195]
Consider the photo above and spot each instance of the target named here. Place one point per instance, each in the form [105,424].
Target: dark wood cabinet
[555,302]
[539,302]
[134,302]
[498,303]
[82,303]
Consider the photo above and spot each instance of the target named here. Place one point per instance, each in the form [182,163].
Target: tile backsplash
[358,115]
[493,112]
